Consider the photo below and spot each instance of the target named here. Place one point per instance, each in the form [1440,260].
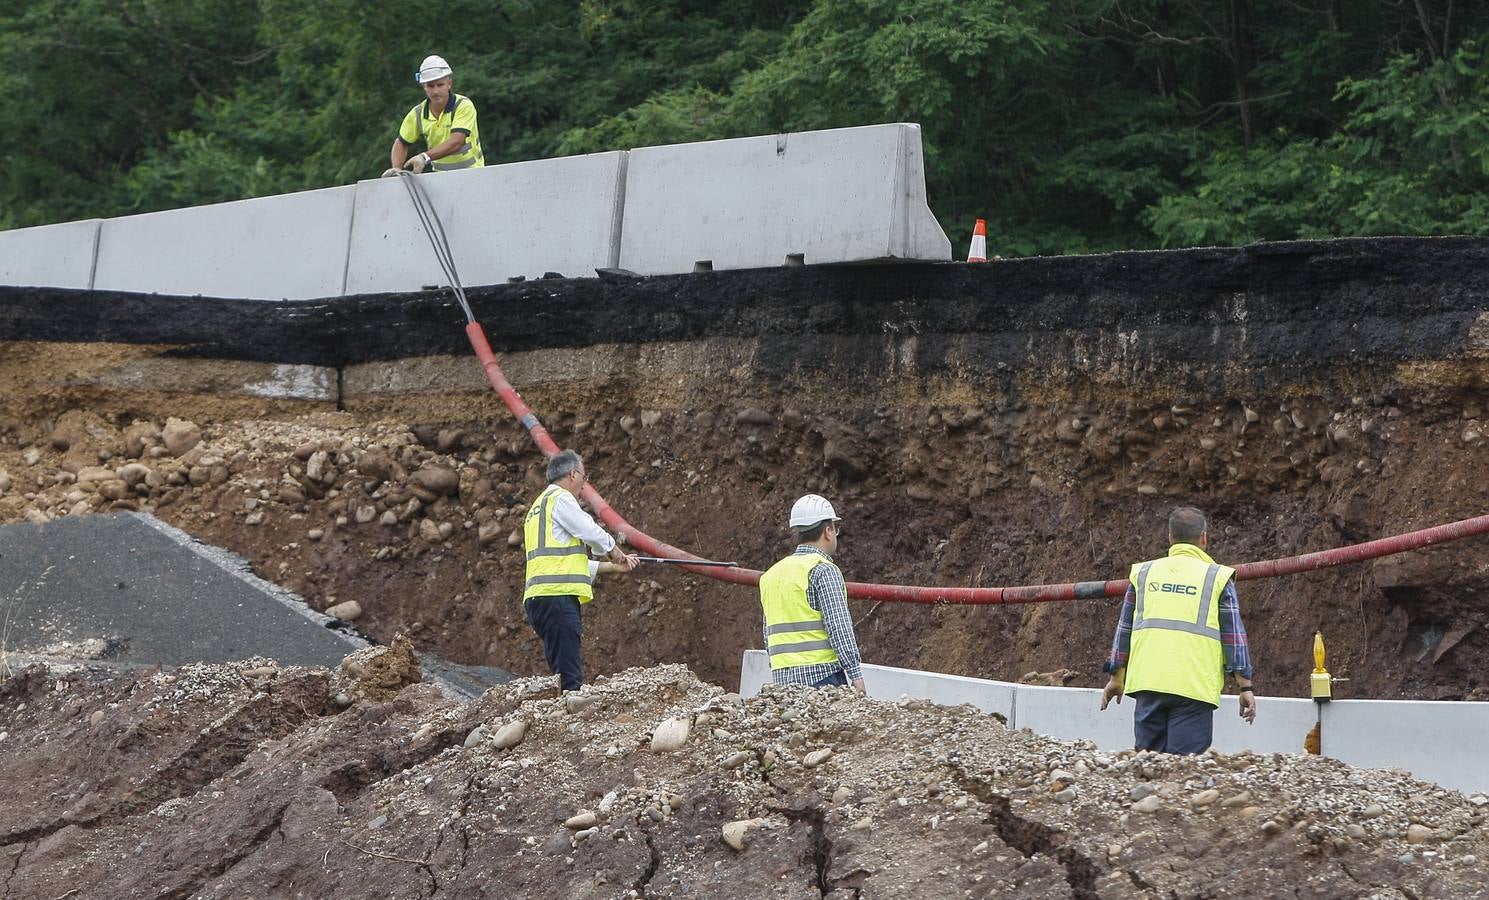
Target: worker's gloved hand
[390,173]
[417,164]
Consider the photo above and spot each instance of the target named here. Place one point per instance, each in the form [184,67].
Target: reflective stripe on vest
[1176,646]
[794,632]
[554,568]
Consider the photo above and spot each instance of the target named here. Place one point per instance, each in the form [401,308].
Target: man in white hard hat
[445,123]
[808,632]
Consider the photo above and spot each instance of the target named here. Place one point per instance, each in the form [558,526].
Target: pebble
[672,734]
[1271,827]
[734,832]
[1356,831]
[1241,799]
[1066,796]
[510,734]
[817,757]
[1418,834]
[1205,798]
[1148,804]
[735,760]
[841,795]
[582,819]
[346,611]
[476,735]
[1371,811]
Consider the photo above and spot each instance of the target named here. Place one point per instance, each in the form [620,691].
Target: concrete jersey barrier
[842,195]
[290,246]
[1436,741]
[845,195]
[50,255]
[526,218]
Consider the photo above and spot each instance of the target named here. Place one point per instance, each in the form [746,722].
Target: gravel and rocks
[246,779]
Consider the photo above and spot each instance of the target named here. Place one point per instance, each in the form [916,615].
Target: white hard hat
[810,510]
[433,68]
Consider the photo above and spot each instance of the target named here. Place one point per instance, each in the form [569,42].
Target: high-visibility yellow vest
[434,129]
[794,633]
[1176,625]
[554,568]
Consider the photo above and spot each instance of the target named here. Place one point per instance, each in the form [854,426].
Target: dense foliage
[1071,125]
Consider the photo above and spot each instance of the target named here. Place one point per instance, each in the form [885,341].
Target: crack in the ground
[641,883]
[352,779]
[1030,836]
[15,867]
[232,857]
[821,844]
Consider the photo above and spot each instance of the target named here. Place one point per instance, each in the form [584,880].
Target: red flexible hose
[1037,593]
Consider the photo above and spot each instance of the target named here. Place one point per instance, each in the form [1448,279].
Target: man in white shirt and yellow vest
[445,123]
[808,632]
[1179,636]
[558,536]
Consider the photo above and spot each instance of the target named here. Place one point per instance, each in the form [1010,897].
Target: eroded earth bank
[1023,422]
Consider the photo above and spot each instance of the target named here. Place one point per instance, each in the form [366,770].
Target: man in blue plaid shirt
[808,632]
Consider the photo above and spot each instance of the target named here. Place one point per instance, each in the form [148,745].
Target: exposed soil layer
[1023,422]
[249,780]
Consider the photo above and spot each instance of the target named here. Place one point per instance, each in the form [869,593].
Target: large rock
[375,464]
[79,428]
[180,435]
[670,735]
[139,437]
[441,480]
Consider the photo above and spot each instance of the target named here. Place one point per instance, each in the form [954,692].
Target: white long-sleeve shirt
[569,520]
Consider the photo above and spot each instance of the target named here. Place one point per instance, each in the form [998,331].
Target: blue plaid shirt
[827,593]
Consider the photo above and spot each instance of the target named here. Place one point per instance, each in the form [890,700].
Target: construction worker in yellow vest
[1179,637]
[808,632]
[445,123]
[558,536]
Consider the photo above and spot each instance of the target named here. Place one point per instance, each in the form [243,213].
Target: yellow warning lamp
[1319,681]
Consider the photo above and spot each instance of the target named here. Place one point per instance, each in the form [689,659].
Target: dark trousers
[557,622]
[1172,724]
[836,679]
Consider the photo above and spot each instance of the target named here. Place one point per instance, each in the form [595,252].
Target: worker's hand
[1248,707]
[390,173]
[418,163]
[631,562]
[1112,691]
[858,684]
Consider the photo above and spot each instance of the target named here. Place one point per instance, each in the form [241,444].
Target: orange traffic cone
[978,251]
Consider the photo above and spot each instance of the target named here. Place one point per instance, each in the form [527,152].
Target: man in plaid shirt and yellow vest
[808,632]
[1179,636]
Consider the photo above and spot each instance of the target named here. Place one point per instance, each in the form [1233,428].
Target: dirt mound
[244,780]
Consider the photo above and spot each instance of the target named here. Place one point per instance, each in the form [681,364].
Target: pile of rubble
[253,780]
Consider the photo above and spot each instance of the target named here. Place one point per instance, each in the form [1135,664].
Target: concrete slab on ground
[129,590]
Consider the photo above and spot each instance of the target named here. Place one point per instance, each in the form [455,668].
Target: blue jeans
[836,679]
[1172,724]
[557,622]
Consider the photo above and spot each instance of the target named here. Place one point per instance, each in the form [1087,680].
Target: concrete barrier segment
[290,246]
[50,255]
[524,218]
[1438,741]
[842,195]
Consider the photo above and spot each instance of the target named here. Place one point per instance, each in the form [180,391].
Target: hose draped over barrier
[1038,593]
